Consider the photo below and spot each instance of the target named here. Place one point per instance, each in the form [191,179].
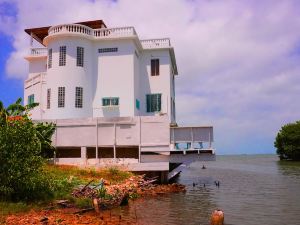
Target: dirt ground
[70,215]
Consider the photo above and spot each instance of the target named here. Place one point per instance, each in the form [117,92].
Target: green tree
[44,130]
[21,158]
[288,142]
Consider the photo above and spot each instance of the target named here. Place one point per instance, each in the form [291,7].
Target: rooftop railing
[117,32]
[156,43]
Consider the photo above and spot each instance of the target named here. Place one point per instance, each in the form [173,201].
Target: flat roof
[40,33]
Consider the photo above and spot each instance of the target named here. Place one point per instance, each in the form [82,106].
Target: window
[153,102]
[105,50]
[80,56]
[110,101]
[50,58]
[62,55]
[61,97]
[78,97]
[48,98]
[137,104]
[30,99]
[154,67]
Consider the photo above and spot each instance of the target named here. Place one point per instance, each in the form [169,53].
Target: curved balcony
[118,32]
[70,28]
[106,33]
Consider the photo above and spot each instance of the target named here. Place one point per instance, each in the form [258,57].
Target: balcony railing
[99,33]
[191,137]
[38,51]
[38,78]
[117,32]
[156,43]
[70,28]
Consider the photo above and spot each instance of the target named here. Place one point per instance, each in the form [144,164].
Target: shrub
[288,142]
[21,143]
[21,173]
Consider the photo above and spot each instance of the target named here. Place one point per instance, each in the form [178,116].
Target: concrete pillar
[83,155]
[164,177]
[97,141]
[115,140]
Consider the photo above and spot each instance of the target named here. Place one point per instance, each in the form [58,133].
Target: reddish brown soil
[64,216]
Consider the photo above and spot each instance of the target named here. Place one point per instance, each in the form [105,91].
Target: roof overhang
[40,33]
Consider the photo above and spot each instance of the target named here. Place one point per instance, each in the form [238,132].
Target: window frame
[155,65]
[151,105]
[80,56]
[79,97]
[110,102]
[30,99]
[107,50]
[48,98]
[49,58]
[61,95]
[62,55]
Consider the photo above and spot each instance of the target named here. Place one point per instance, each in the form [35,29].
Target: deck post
[209,138]
[115,138]
[83,155]
[97,140]
[192,138]
[140,138]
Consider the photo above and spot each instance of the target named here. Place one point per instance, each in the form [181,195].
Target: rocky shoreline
[103,197]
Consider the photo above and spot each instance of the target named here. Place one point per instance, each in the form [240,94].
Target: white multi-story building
[91,71]
[108,80]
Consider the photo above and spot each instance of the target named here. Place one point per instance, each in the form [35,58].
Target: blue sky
[238,60]
[10,88]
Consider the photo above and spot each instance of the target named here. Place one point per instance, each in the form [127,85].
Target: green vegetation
[27,181]
[21,142]
[288,142]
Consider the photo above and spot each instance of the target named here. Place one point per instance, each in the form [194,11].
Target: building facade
[86,72]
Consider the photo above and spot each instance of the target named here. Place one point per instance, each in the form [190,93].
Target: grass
[113,175]
[65,179]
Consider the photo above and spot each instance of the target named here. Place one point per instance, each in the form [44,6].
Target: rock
[217,217]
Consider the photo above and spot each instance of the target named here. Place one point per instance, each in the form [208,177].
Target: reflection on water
[253,190]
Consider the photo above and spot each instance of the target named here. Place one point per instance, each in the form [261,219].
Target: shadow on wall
[111,111]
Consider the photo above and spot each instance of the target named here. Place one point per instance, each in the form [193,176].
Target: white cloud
[238,60]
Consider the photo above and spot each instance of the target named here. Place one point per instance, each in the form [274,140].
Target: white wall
[37,65]
[36,87]
[120,74]
[83,132]
[70,76]
[115,78]
[155,84]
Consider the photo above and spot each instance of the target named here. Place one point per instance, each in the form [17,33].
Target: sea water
[254,190]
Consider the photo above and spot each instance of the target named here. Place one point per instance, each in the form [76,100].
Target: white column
[97,140]
[115,140]
[83,155]
[140,138]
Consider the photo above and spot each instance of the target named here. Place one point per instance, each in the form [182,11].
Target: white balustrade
[70,28]
[117,32]
[38,51]
[38,78]
[156,43]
